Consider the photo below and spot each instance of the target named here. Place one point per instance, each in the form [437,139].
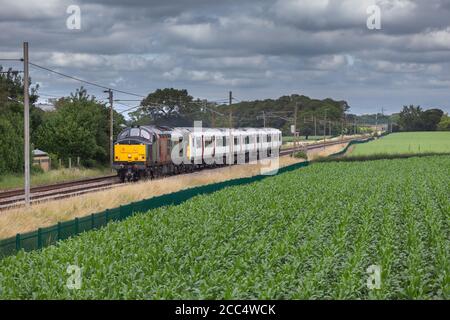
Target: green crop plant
[404,143]
[306,234]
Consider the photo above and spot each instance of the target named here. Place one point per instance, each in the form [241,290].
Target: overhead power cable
[85,81]
[10,59]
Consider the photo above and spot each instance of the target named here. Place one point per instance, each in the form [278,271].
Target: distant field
[405,142]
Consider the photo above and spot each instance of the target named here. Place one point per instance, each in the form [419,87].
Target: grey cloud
[257,48]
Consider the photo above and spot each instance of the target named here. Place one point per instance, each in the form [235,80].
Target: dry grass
[12,181]
[323,152]
[44,214]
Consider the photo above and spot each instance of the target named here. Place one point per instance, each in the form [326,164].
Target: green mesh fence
[353,142]
[47,236]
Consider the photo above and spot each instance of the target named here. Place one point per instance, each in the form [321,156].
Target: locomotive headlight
[129,155]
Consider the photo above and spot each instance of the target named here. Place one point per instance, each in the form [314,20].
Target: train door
[163,147]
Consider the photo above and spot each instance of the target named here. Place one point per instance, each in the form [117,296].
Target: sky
[258,49]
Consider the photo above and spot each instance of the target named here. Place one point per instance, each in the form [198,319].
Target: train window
[134,132]
[224,141]
[269,138]
[257,138]
[235,141]
[208,141]
[180,146]
[124,134]
[145,134]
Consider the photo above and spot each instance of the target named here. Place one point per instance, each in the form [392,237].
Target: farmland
[315,237]
[406,143]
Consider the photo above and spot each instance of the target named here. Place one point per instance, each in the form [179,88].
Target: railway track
[15,198]
[287,151]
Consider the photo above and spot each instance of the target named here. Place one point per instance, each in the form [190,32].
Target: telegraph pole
[325,128]
[111,127]
[295,127]
[230,124]
[376,123]
[315,127]
[213,119]
[26,110]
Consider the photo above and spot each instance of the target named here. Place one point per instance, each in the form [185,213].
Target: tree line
[78,126]
[414,118]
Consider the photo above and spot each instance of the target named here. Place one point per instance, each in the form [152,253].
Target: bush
[301,155]
[36,169]
[54,161]
[90,163]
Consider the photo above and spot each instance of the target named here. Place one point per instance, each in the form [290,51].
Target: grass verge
[13,181]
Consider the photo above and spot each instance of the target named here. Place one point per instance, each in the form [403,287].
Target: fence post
[120,213]
[106,215]
[18,241]
[92,221]
[39,238]
[58,236]
[70,163]
[78,161]
[76,226]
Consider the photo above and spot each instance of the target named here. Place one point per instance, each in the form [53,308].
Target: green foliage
[79,127]
[177,108]
[301,155]
[444,124]
[413,118]
[249,113]
[11,121]
[170,107]
[287,237]
[11,141]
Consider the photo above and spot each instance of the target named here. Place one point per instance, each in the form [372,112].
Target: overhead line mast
[230,120]
[26,110]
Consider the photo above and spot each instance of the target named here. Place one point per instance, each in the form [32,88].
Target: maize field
[315,233]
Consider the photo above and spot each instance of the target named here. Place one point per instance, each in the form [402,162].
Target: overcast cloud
[257,49]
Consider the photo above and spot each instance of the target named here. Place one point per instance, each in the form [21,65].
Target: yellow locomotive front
[132,152]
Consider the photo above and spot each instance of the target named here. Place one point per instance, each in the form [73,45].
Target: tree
[11,121]
[169,106]
[413,118]
[431,118]
[444,124]
[410,118]
[78,127]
